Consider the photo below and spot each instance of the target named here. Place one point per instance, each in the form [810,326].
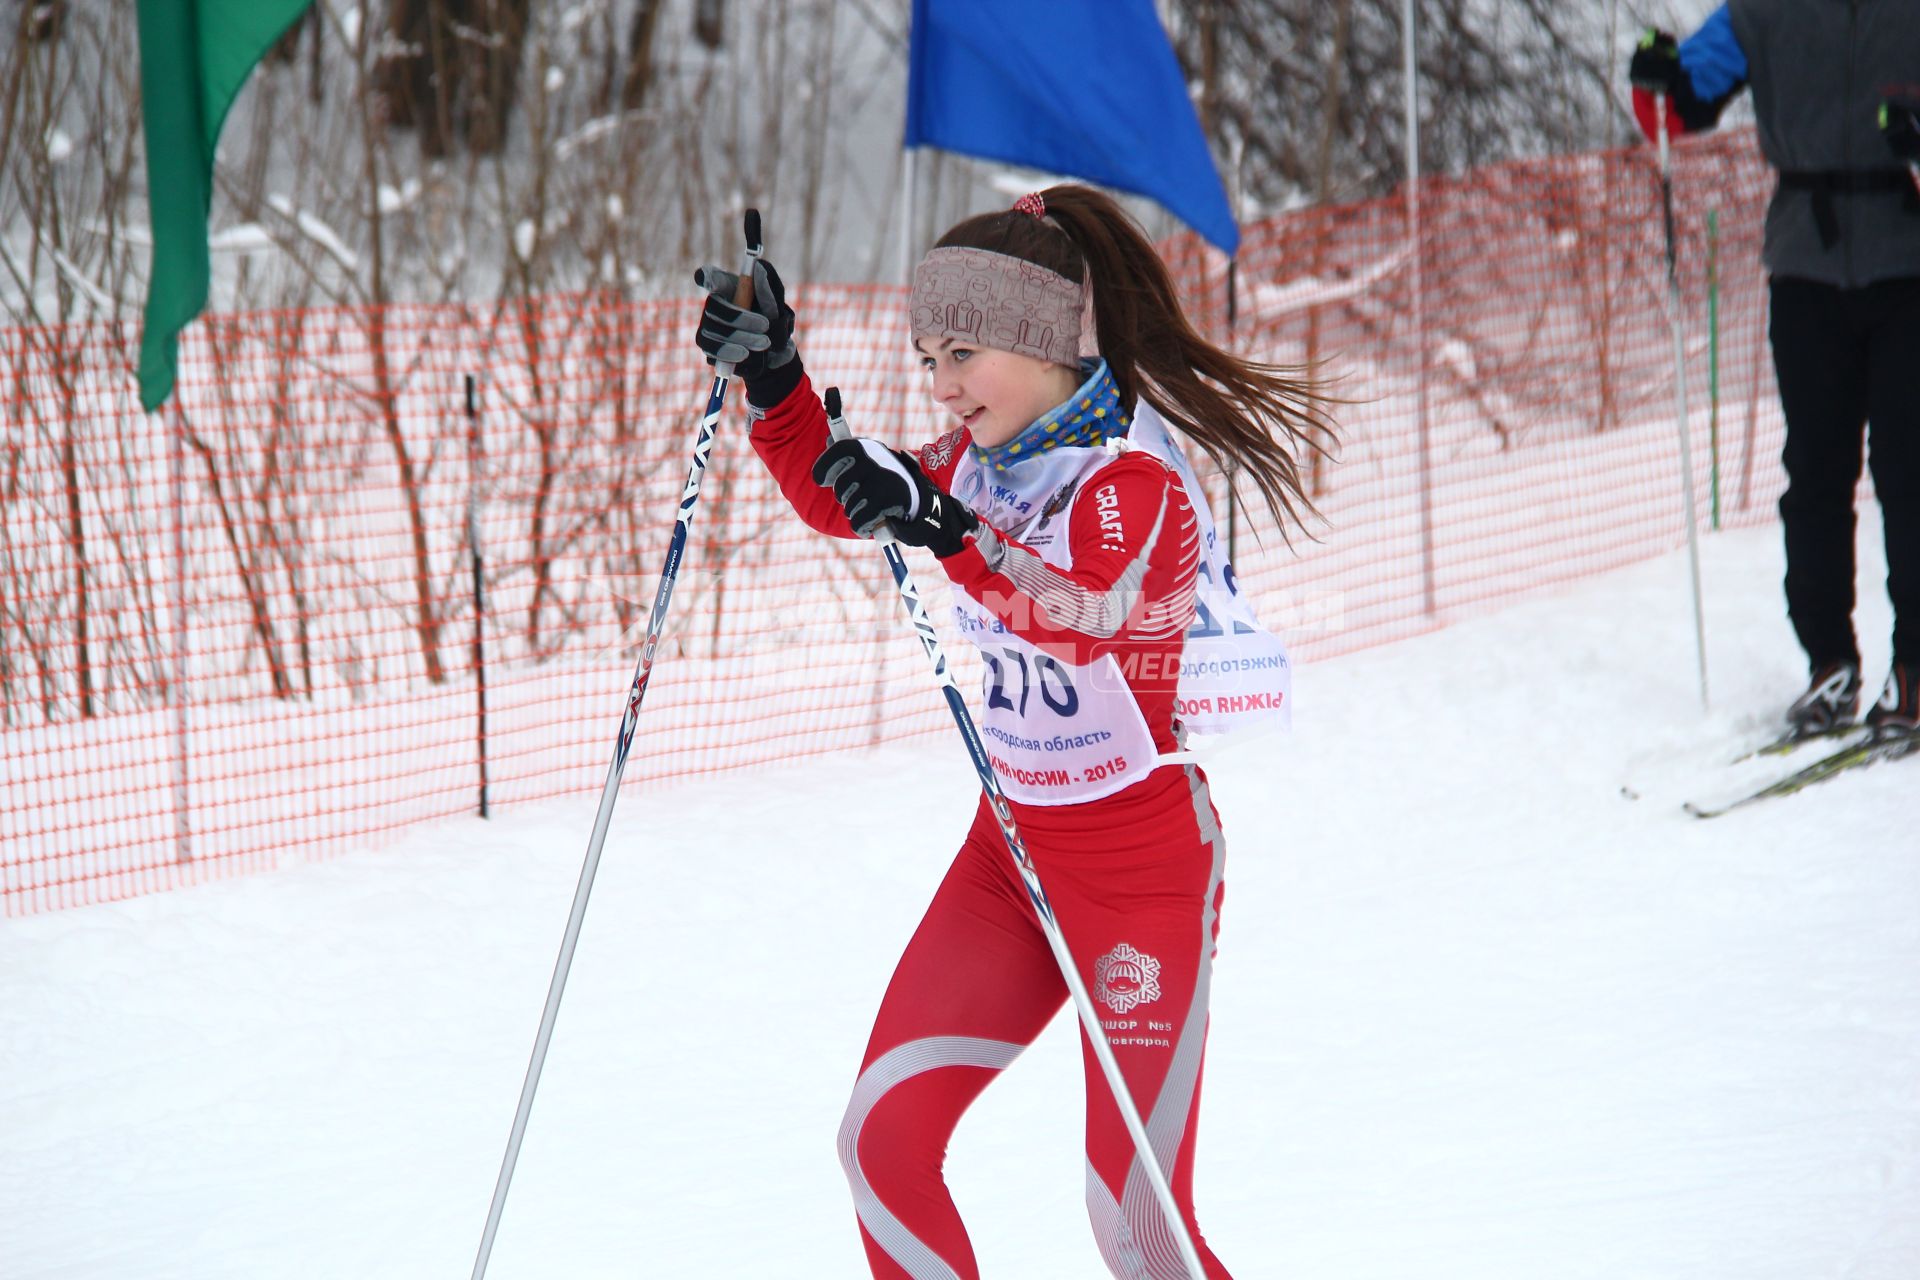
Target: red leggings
[1135,882]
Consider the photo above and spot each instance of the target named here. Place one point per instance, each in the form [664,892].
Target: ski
[1790,742]
[1868,751]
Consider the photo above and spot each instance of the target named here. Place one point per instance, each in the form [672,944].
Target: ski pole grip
[837,428]
[1660,129]
[743,292]
[836,425]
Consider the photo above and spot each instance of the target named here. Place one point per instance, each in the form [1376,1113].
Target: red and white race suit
[1082,615]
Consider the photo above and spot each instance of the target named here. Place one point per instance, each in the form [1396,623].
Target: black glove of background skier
[875,485]
[1655,69]
[758,340]
[1900,126]
[1655,65]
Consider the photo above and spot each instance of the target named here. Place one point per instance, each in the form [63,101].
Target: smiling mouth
[967,419]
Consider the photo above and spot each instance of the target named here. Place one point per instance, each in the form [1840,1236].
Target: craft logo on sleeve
[1113,534]
[1124,979]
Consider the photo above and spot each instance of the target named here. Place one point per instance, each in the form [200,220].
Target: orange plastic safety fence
[245,629]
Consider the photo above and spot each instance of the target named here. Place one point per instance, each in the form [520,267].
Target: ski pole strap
[1825,184]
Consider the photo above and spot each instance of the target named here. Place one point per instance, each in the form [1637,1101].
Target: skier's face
[994,394]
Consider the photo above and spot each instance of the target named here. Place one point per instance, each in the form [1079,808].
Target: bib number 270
[1042,674]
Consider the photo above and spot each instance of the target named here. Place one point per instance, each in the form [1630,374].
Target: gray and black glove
[876,485]
[756,340]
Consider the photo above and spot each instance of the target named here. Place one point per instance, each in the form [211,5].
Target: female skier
[1083,560]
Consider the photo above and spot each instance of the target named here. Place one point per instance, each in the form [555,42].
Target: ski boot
[1898,710]
[1830,703]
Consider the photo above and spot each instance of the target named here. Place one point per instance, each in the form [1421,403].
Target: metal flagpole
[1408,43]
[182,795]
[907,174]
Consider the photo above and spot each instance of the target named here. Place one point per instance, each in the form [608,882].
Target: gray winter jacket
[1819,70]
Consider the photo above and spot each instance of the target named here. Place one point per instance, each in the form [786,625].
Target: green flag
[194,56]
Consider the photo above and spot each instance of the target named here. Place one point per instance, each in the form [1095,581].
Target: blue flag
[1089,88]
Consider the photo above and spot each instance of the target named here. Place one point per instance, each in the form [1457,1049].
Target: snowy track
[1477,1014]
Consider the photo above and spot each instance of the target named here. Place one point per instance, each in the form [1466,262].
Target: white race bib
[1234,673]
[1061,733]
[1057,732]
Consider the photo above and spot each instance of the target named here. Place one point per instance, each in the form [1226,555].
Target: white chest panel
[1061,733]
[1057,732]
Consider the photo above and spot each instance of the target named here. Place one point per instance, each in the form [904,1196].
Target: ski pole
[623,742]
[1910,125]
[1042,906]
[1674,315]
[1713,370]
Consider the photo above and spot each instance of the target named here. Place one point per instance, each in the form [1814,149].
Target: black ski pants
[1845,358]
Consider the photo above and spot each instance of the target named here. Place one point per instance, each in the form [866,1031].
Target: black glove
[1655,70]
[876,485]
[1900,126]
[757,340]
[1656,64]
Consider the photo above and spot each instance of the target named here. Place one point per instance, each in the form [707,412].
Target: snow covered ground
[1478,1013]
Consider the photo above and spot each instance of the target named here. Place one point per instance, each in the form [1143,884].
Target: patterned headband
[997,300]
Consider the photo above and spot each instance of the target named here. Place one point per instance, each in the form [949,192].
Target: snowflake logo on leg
[1125,979]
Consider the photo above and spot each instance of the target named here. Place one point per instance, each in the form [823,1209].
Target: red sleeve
[941,458]
[789,438]
[1136,558]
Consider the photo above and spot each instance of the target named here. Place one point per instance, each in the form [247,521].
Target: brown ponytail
[1259,417]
